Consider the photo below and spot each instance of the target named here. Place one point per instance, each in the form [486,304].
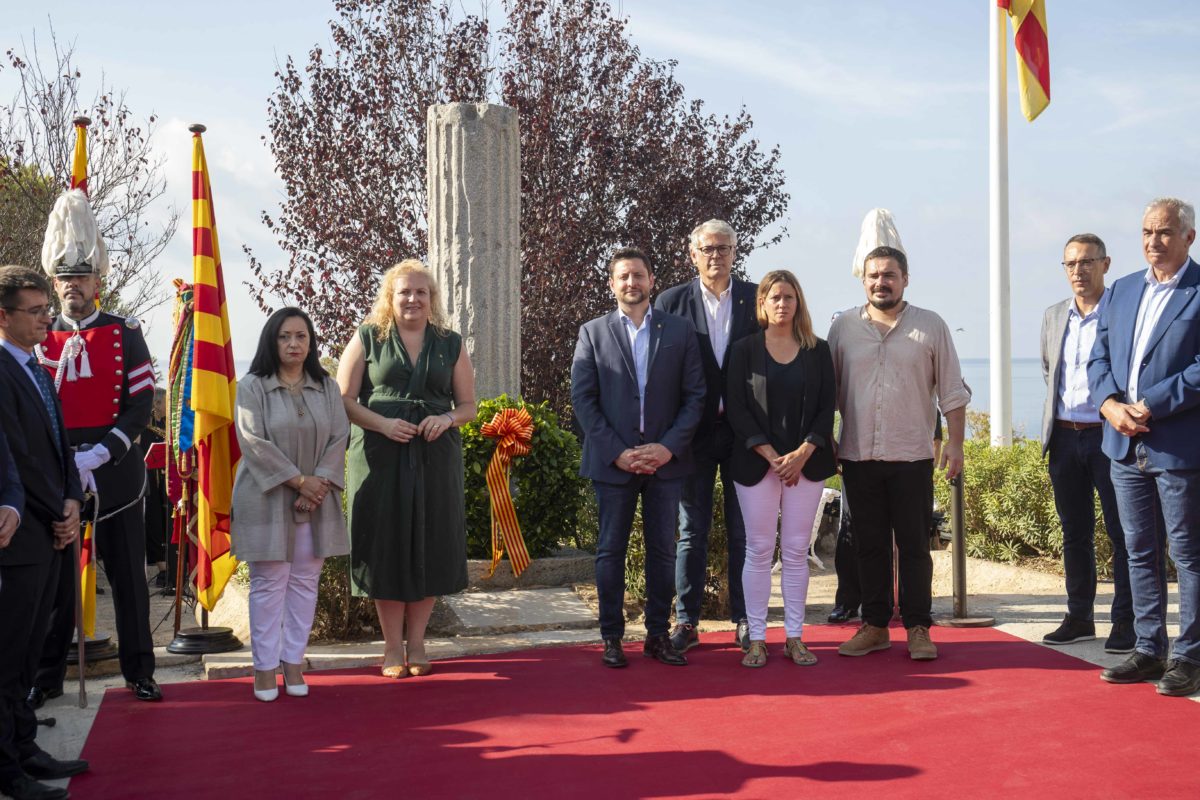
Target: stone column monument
[473,174]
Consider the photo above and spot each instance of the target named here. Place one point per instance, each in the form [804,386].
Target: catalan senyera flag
[87,543]
[214,388]
[1033,53]
[79,160]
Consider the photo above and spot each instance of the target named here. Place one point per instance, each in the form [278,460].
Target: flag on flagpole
[87,543]
[1033,53]
[214,388]
[79,173]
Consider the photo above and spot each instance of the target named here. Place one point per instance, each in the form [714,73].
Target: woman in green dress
[407,384]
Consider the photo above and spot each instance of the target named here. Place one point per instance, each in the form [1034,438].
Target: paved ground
[1025,603]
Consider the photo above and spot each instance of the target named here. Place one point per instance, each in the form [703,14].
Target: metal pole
[81,646]
[958,541]
[1000,351]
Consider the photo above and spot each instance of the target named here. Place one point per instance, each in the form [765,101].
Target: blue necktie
[46,389]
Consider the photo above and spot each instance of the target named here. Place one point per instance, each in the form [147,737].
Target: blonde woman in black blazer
[780,404]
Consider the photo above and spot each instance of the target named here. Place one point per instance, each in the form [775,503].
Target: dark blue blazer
[604,393]
[686,301]
[11,493]
[46,467]
[1169,380]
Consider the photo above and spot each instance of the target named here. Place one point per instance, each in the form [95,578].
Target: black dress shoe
[1181,679]
[1121,639]
[45,767]
[26,788]
[1135,669]
[38,697]
[741,636]
[145,689]
[843,614]
[614,654]
[660,649]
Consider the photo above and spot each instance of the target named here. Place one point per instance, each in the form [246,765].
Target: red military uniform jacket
[107,393]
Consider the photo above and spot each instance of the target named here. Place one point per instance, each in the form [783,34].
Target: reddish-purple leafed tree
[613,153]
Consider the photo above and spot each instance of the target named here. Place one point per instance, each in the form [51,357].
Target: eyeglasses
[716,250]
[1082,265]
[36,311]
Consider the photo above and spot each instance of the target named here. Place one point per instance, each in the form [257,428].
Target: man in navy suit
[637,387]
[32,423]
[722,309]
[1144,374]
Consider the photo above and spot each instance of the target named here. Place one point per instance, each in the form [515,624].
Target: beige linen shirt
[887,384]
[277,444]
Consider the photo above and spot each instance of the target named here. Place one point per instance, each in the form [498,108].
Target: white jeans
[767,507]
[283,600]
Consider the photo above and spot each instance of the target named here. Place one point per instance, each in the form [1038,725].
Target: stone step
[350,655]
[494,613]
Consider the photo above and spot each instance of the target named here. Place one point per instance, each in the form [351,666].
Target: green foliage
[546,487]
[340,616]
[1009,503]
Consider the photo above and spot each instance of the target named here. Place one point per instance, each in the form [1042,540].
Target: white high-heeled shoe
[295,689]
[266,695]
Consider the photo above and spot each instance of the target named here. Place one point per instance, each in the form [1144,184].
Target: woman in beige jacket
[287,505]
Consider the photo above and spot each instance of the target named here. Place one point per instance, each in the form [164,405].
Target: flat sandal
[756,656]
[799,653]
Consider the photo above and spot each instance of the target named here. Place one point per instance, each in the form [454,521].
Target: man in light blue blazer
[1144,375]
[637,387]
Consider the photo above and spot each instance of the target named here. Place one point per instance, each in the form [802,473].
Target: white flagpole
[1000,351]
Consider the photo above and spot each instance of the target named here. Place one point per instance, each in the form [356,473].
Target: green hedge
[546,487]
[1009,509]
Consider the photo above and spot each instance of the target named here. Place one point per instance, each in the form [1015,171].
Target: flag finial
[196,127]
[82,121]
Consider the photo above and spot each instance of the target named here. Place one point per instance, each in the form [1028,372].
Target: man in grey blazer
[1072,431]
[637,387]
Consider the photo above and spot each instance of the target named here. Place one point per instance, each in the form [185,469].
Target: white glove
[86,480]
[90,460]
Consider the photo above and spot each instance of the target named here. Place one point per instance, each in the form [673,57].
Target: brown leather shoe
[867,639]
[920,648]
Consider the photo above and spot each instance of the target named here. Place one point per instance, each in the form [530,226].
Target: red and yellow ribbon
[512,429]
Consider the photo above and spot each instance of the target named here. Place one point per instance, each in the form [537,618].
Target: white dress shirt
[1154,301]
[718,312]
[639,345]
[1074,402]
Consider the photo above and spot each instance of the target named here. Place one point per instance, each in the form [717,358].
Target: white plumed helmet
[878,230]
[73,244]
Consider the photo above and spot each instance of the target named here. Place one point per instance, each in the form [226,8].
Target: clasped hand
[67,529]
[9,520]
[644,459]
[312,491]
[1129,419]
[789,466]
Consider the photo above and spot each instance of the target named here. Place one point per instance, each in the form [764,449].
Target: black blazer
[686,301]
[47,471]
[11,492]
[750,418]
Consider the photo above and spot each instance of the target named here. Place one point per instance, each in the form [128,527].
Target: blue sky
[873,103]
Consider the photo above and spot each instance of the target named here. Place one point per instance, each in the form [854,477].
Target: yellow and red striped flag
[79,160]
[1033,53]
[214,388]
[87,543]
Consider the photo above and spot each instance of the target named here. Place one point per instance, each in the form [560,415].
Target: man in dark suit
[721,307]
[1144,374]
[1079,470]
[637,387]
[32,422]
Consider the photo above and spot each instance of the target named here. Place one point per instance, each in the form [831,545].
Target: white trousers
[283,601]
[769,507]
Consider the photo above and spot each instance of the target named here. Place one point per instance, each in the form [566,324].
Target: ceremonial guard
[101,368]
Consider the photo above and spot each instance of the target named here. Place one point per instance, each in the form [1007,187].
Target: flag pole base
[965,622]
[199,641]
[97,648]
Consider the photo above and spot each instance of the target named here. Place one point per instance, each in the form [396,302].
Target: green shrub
[1009,511]
[546,487]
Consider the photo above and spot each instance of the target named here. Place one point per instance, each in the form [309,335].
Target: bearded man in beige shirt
[893,361]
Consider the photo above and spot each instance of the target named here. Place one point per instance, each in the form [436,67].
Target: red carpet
[993,717]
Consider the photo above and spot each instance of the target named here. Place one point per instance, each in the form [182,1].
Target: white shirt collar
[716,298]
[645,320]
[83,323]
[1168,284]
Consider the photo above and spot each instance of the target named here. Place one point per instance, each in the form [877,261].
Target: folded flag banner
[1033,53]
[512,429]
[79,160]
[213,392]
